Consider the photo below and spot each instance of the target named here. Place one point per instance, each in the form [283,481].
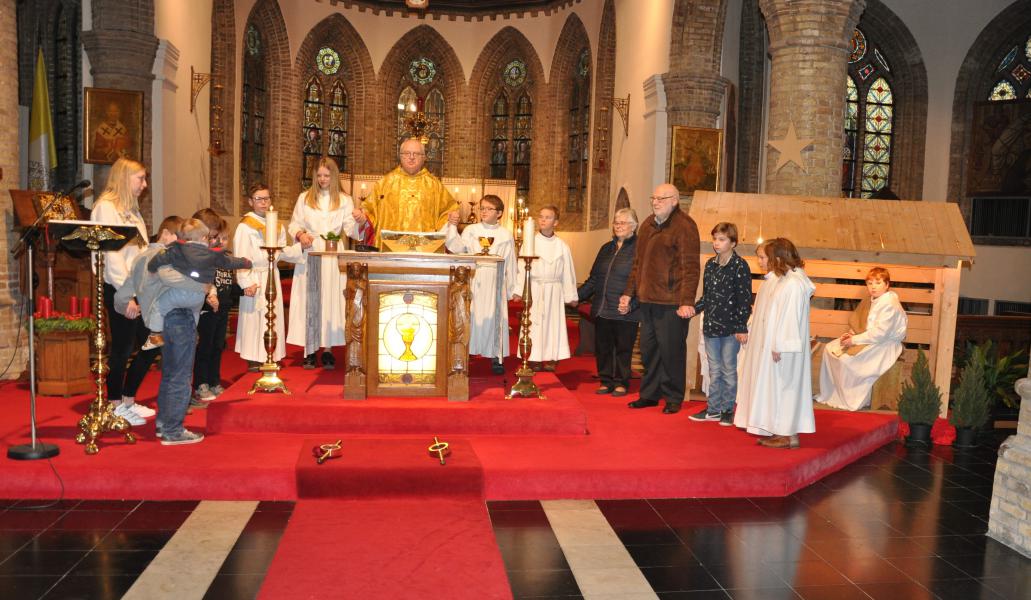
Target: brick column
[694,87]
[809,49]
[1010,518]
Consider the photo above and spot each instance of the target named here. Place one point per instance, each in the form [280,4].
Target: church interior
[893,132]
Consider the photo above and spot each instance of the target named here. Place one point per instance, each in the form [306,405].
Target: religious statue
[459,300]
[357,286]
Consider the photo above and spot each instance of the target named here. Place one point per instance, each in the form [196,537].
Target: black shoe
[642,403]
[671,409]
[497,367]
[328,362]
[603,390]
[253,366]
[727,419]
[704,415]
[309,362]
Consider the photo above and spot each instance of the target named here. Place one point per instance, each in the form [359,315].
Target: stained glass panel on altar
[407,348]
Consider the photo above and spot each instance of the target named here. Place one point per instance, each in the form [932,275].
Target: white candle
[529,231]
[271,228]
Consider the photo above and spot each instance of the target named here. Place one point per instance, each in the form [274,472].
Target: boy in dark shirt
[727,302]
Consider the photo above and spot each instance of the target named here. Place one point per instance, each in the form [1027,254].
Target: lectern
[407,323]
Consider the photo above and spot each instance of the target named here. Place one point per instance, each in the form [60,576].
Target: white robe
[250,324]
[775,398]
[488,335]
[847,381]
[318,222]
[117,263]
[553,284]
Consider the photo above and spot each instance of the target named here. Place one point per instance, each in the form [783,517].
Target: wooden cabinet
[62,363]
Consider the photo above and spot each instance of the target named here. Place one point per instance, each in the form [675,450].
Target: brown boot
[780,441]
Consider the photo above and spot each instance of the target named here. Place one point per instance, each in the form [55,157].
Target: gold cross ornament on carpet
[790,148]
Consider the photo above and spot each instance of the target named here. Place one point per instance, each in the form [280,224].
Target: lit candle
[472,191]
[73,306]
[271,228]
[528,235]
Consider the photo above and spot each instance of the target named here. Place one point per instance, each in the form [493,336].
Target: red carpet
[397,549]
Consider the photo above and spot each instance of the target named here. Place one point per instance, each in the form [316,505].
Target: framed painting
[694,162]
[113,125]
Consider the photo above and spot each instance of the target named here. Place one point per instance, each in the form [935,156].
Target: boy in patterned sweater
[727,302]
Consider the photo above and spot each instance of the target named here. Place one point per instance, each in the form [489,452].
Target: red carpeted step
[396,549]
[396,467]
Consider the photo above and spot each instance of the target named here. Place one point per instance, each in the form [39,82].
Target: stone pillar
[693,84]
[121,47]
[809,41]
[1010,518]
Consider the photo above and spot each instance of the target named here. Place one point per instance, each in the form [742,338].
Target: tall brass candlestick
[524,385]
[269,380]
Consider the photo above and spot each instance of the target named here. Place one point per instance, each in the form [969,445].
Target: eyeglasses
[261,198]
[412,154]
[653,198]
[622,223]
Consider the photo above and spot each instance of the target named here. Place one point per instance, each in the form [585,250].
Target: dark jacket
[196,261]
[608,280]
[666,266]
[726,297]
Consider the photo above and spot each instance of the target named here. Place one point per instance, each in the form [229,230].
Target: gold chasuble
[403,202]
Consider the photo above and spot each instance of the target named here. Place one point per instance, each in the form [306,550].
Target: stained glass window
[328,61]
[511,135]
[253,111]
[421,90]
[499,138]
[578,125]
[324,124]
[1014,72]
[422,71]
[515,73]
[869,116]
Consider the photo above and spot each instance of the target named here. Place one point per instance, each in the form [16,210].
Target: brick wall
[751,82]
[1009,519]
[223,71]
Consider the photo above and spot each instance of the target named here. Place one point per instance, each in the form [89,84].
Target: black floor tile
[696,595]
[44,562]
[276,506]
[746,575]
[61,539]
[897,591]
[239,586]
[831,592]
[136,539]
[116,505]
[518,519]
[534,505]
[782,593]
[809,573]
[104,563]
[167,505]
[647,537]
[13,541]
[663,556]
[91,588]
[150,519]
[965,589]
[534,558]
[247,561]
[539,582]
[32,520]
[89,520]
[674,579]
[925,569]
[26,588]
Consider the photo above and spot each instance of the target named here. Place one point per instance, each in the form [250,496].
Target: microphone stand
[36,449]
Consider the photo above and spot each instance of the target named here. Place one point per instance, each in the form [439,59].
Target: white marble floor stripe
[603,568]
[186,566]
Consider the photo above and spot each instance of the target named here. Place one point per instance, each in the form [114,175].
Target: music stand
[98,238]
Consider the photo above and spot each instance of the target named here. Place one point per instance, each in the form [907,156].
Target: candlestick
[269,380]
[524,385]
[529,232]
[271,228]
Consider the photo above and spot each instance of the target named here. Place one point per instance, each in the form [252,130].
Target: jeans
[176,370]
[721,353]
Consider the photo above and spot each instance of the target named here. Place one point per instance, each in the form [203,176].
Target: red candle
[44,307]
[73,306]
[85,308]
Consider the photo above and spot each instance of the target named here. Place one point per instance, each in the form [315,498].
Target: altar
[407,322]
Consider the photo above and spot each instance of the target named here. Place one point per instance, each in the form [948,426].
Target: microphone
[85,183]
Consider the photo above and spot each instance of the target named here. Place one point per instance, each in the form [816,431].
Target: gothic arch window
[512,127]
[1013,74]
[578,125]
[869,121]
[324,127]
[254,109]
[421,111]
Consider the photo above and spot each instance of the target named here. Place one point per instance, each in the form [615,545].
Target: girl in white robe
[247,242]
[553,285]
[320,210]
[774,394]
[853,362]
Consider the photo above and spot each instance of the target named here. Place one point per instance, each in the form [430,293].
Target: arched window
[579,123]
[869,119]
[325,124]
[512,127]
[421,111]
[1014,74]
[254,108]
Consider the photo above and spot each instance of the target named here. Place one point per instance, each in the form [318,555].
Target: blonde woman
[119,205]
[320,210]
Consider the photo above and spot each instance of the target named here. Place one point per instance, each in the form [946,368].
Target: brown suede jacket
[666,265]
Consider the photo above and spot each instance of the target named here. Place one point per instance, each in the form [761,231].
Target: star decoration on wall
[790,148]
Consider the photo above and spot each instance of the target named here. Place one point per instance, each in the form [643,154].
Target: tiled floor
[898,524]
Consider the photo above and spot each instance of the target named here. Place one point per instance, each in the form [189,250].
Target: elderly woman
[614,332]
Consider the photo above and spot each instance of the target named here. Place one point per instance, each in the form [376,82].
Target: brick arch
[973,84]
[223,71]
[484,84]
[267,18]
[571,42]
[335,31]
[422,41]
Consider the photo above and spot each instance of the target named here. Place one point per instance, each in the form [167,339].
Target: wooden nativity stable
[924,245]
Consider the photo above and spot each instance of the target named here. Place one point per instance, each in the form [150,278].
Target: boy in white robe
[553,285]
[247,242]
[489,331]
[853,362]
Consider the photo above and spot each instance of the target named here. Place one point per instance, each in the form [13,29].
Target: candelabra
[270,380]
[524,385]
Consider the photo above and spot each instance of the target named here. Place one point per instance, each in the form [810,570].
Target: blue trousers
[176,370]
[721,353]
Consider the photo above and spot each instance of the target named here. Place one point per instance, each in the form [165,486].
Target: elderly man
[409,198]
[664,279]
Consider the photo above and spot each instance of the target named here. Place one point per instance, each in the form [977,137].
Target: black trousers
[211,341]
[125,336]
[664,352]
[613,348]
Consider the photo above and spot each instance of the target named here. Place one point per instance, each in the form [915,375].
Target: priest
[409,198]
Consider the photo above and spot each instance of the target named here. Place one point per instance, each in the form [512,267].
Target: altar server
[853,362]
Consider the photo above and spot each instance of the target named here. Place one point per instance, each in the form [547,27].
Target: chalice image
[485,244]
[407,325]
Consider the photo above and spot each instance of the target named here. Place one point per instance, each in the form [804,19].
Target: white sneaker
[143,411]
[204,393]
[129,415]
[217,390]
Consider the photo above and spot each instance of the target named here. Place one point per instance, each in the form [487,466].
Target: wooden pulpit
[407,323]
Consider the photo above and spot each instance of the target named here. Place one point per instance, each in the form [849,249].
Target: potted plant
[332,239]
[970,404]
[920,402]
[1000,375]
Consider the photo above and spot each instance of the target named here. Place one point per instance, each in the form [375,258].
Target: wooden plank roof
[901,232]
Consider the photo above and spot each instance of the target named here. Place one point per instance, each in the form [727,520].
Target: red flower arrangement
[942,432]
